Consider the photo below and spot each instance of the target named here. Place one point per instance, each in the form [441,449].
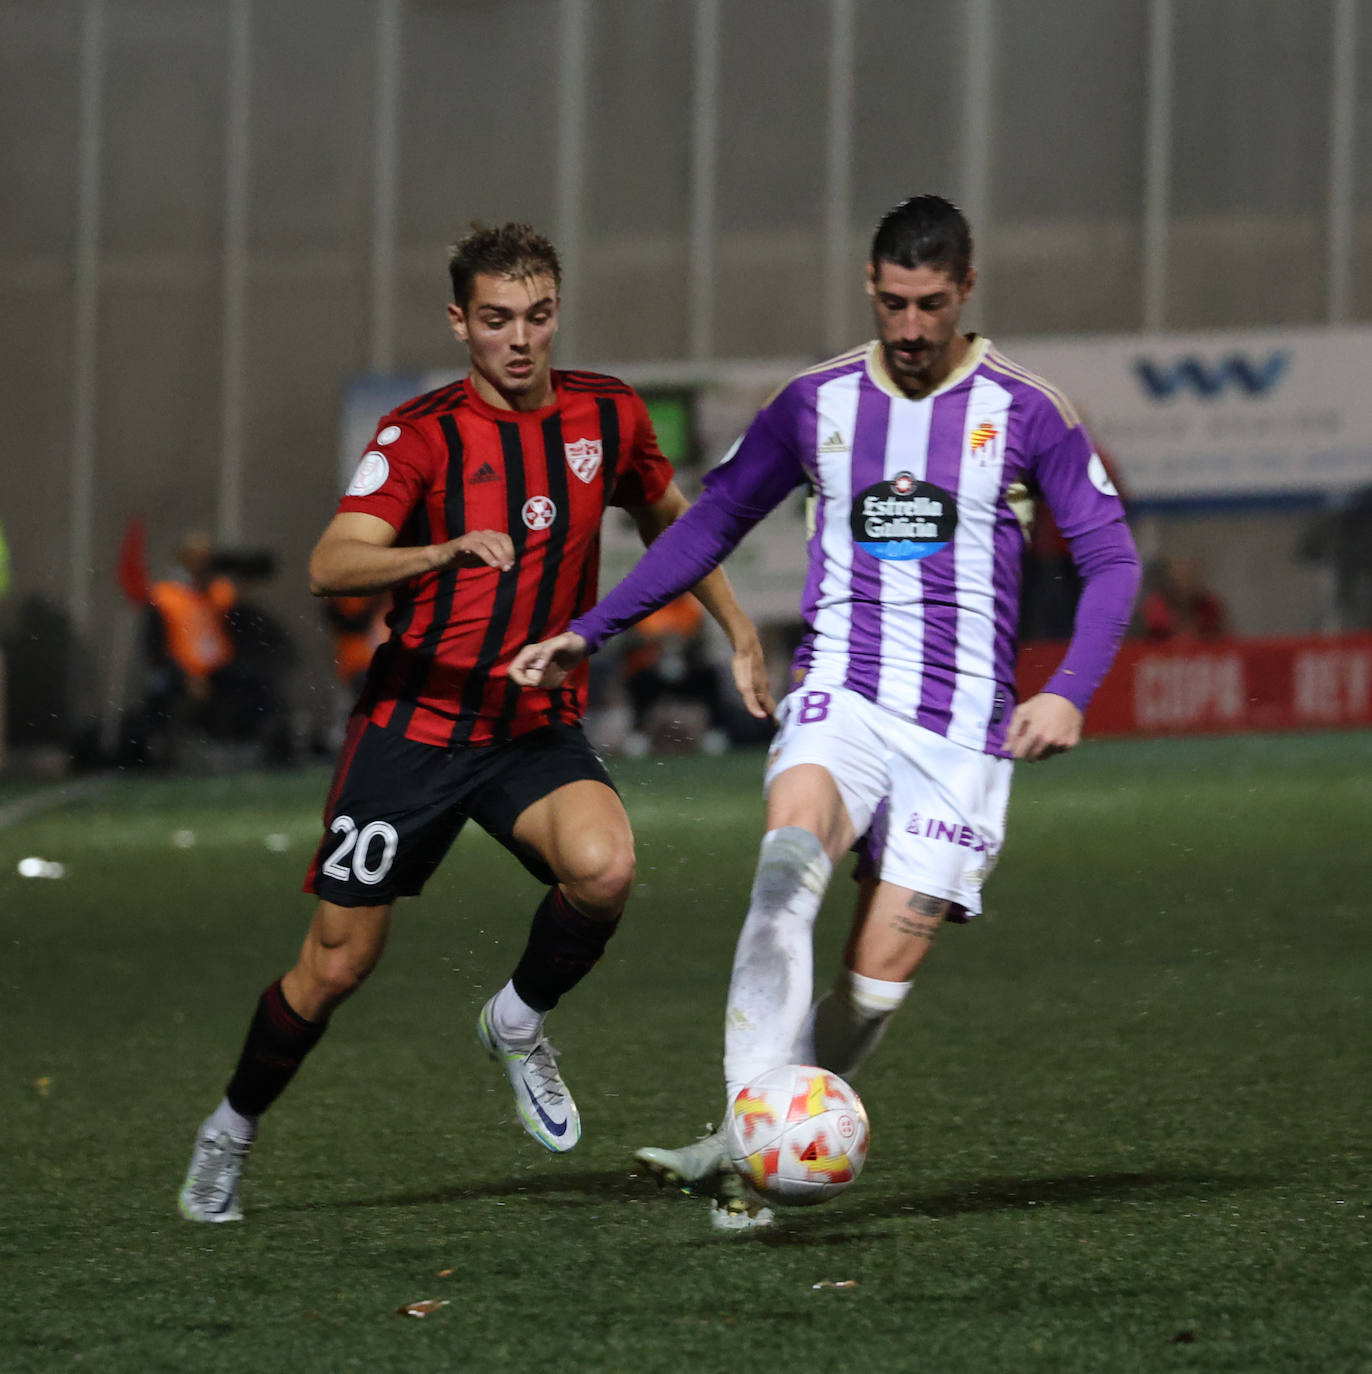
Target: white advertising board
[1222,415]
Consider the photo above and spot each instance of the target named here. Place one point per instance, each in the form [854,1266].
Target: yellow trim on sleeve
[830,365]
[997,360]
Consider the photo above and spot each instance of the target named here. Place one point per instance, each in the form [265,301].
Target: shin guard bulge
[769,993]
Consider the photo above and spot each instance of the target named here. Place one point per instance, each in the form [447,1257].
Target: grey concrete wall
[1061,240]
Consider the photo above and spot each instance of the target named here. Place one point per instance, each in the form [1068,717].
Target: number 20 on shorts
[358,844]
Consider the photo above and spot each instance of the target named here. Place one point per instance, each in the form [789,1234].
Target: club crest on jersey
[538,512]
[583,457]
[903,518]
[984,441]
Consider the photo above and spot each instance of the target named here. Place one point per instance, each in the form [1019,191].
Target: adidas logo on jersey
[834,444]
[485,473]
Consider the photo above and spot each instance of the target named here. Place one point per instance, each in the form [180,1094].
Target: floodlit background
[220,214]
[1121,1123]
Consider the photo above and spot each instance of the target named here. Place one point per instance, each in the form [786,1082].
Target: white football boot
[704,1169]
[693,1168]
[210,1192]
[546,1109]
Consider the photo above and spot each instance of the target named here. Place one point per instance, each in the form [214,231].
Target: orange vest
[681,617]
[353,648]
[197,639]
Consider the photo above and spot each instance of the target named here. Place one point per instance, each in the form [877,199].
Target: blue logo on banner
[903,518]
[1209,380]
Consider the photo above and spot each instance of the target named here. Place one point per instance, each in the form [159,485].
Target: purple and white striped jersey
[913,585]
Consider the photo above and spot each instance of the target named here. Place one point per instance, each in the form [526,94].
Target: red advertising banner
[1193,688]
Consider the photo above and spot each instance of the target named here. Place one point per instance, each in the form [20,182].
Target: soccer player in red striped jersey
[478,506]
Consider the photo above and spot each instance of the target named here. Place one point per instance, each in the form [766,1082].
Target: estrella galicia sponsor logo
[1211,379]
[903,518]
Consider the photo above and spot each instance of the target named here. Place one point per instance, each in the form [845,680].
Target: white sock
[240,1127]
[773,976]
[847,1023]
[513,1019]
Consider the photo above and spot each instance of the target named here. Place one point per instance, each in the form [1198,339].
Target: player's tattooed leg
[921,918]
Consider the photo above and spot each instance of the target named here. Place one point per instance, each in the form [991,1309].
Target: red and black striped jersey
[446,463]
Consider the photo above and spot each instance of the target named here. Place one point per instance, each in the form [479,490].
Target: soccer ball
[797,1135]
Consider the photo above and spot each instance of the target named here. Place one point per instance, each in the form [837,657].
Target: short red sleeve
[647,473]
[392,476]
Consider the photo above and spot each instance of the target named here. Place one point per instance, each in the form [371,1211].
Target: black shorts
[396,806]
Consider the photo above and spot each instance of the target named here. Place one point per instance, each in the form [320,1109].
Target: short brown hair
[507,250]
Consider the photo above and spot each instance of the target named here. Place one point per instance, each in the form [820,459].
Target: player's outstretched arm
[357,554]
[748,663]
[547,664]
[1045,725]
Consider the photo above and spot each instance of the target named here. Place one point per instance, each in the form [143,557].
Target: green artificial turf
[1121,1125]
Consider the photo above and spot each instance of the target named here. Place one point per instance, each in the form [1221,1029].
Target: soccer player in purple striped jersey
[926,451]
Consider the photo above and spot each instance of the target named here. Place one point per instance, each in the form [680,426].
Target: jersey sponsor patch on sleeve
[388,435]
[371,474]
[1100,479]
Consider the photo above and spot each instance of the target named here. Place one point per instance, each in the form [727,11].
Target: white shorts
[931,812]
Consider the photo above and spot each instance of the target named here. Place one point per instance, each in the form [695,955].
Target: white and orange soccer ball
[797,1135]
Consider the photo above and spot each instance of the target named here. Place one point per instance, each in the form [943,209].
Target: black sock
[563,948]
[278,1039]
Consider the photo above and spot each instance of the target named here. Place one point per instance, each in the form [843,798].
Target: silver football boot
[210,1192]
[705,1170]
[546,1109]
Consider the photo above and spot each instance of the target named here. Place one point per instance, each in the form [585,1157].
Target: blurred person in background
[902,727]
[1181,606]
[357,629]
[1339,538]
[215,657]
[671,684]
[188,631]
[478,506]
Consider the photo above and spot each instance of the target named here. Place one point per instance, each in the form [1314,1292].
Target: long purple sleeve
[749,483]
[677,559]
[1109,566]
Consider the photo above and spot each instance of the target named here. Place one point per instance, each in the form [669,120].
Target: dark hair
[924,231]
[508,250]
